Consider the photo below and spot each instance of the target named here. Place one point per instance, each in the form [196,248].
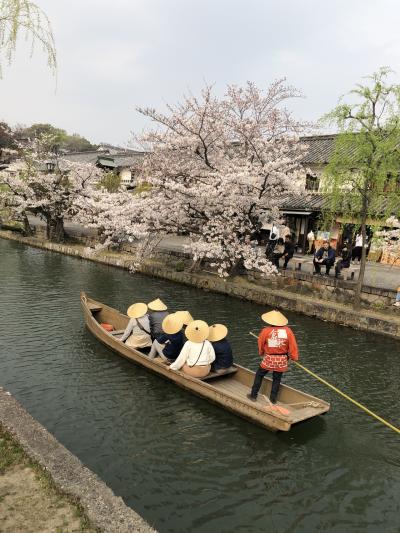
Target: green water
[182,463]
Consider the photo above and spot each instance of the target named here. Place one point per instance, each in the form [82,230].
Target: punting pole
[361,406]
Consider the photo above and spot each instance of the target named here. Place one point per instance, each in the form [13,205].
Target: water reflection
[187,465]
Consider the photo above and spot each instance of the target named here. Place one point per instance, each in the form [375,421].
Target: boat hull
[227,391]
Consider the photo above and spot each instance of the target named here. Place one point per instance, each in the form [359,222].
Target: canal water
[183,464]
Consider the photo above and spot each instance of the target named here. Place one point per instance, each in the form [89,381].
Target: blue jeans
[276,382]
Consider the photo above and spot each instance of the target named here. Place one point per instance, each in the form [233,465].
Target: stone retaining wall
[268,293]
[104,510]
[294,281]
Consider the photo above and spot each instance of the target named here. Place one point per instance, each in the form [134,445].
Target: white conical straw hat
[197,331]
[185,316]
[172,324]
[275,318]
[217,332]
[157,305]
[137,310]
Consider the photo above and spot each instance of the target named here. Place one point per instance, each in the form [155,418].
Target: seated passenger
[197,353]
[185,316]
[137,332]
[158,311]
[222,348]
[169,344]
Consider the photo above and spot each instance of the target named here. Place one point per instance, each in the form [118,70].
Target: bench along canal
[182,463]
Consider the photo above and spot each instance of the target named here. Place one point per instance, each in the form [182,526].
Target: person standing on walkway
[310,240]
[357,250]
[272,240]
[276,344]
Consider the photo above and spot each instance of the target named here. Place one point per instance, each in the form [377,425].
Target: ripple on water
[184,464]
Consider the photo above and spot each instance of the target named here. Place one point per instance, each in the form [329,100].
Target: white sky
[115,55]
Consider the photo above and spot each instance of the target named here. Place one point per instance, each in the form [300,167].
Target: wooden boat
[228,391]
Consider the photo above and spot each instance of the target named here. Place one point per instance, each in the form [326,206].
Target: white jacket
[194,354]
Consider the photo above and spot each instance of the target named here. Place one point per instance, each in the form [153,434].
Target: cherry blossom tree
[216,165]
[44,185]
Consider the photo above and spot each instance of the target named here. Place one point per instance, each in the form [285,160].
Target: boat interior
[292,404]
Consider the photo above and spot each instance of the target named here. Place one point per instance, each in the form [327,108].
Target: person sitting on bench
[222,348]
[137,332]
[344,260]
[197,353]
[157,312]
[324,256]
[169,344]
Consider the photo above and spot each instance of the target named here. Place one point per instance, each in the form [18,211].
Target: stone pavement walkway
[377,274]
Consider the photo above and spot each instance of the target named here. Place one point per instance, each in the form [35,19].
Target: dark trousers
[357,252]
[328,264]
[270,248]
[276,257]
[276,381]
[339,265]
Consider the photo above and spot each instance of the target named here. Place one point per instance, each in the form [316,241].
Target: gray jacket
[156,318]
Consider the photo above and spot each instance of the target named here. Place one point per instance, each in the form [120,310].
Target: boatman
[276,344]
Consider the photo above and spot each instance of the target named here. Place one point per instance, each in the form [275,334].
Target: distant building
[124,163]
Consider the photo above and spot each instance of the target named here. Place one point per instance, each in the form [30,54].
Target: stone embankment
[323,298]
[71,480]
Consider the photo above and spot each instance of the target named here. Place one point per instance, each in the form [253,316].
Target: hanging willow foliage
[23,16]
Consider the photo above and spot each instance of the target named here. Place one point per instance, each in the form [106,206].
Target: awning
[305,213]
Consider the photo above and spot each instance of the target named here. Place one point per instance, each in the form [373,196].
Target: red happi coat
[275,344]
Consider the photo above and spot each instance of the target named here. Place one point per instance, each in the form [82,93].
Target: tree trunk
[55,229]
[360,281]
[28,231]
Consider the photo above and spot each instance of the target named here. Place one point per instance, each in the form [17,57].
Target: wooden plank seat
[213,375]
[94,307]
[298,261]
[117,332]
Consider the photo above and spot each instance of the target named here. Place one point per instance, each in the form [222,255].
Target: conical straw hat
[157,305]
[197,331]
[275,318]
[217,332]
[137,310]
[185,316]
[172,324]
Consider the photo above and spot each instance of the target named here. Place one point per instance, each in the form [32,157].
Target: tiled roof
[304,202]
[318,201]
[320,148]
[128,160]
[120,160]
[83,157]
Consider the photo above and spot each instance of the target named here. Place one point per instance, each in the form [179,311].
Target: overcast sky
[115,55]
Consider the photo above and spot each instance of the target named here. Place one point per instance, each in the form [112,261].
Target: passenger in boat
[197,353]
[222,348]
[158,311]
[185,316]
[276,344]
[169,344]
[137,332]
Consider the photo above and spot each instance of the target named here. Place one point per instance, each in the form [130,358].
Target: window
[312,183]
